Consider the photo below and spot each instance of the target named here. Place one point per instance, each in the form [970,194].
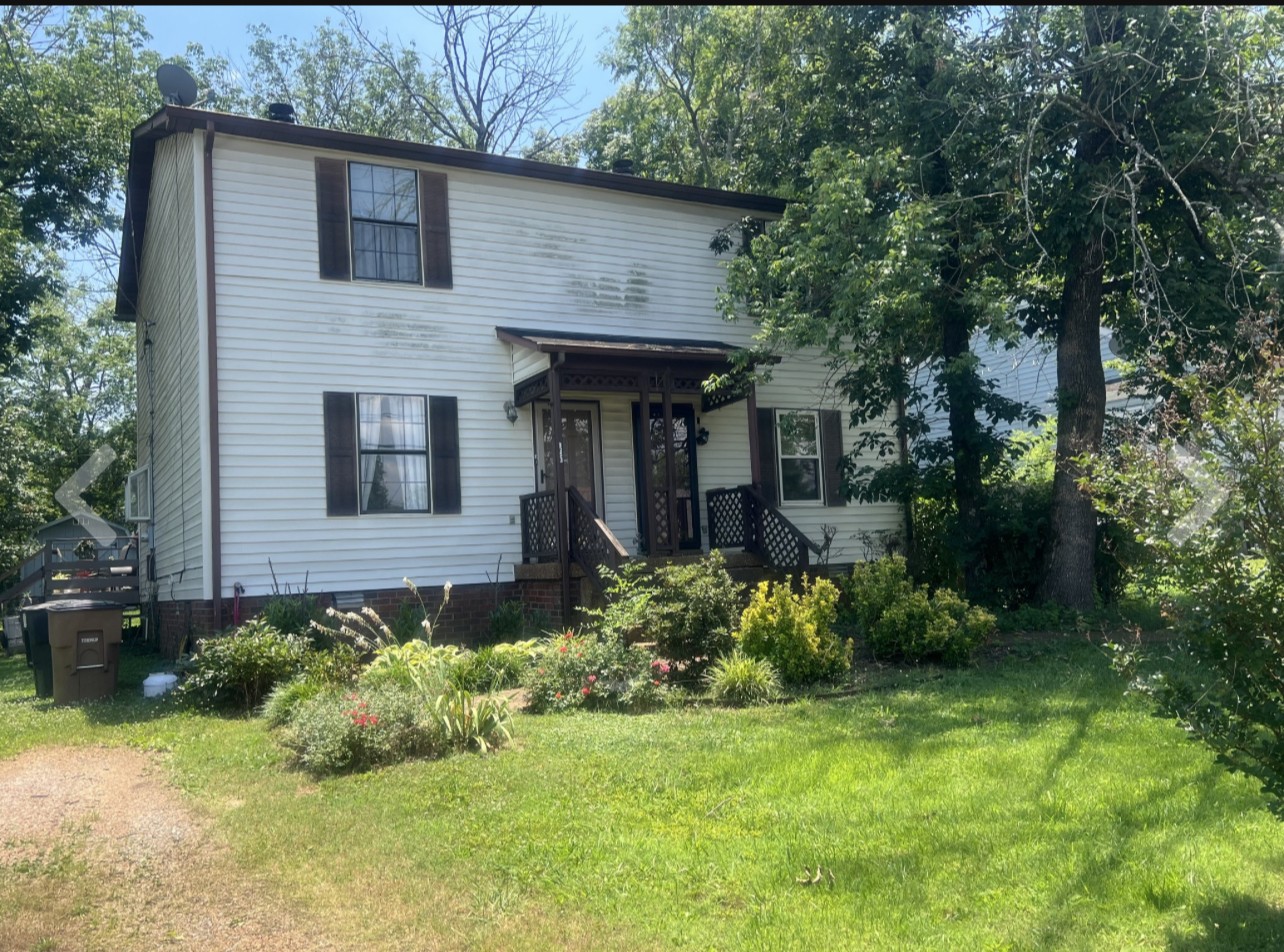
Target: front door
[580,442]
[685,487]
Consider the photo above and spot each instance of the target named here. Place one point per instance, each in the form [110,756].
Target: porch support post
[559,488]
[755,456]
[671,474]
[647,529]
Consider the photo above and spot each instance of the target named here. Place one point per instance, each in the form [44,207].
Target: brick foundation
[465,620]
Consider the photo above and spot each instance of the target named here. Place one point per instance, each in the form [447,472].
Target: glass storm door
[579,439]
[685,487]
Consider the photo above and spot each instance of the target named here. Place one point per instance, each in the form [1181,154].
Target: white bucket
[154,685]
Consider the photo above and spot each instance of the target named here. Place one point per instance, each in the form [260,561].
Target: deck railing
[114,580]
[593,545]
[742,516]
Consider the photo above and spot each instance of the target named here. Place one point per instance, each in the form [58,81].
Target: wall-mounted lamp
[510,411]
[702,436]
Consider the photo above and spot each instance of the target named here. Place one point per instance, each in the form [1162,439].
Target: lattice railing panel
[539,527]
[726,517]
[593,546]
[741,516]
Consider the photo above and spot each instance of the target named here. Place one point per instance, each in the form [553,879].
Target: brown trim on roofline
[211,344]
[179,119]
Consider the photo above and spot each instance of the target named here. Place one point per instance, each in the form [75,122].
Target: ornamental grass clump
[739,680]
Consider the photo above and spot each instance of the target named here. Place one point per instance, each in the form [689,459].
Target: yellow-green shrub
[795,632]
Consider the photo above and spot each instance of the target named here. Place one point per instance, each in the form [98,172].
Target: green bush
[1206,499]
[740,680]
[507,620]
[594,671]
[794,632]
[337,667]
[689,610]
[237,670]
[493,668]
[408,625]
[901,621]
[412,664]
[339,731]
[694,611]
[284,699]
[292,614]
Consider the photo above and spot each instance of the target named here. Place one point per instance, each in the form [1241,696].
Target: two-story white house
[366,360]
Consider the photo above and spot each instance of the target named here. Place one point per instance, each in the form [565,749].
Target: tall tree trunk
[1081,414]
[961,392]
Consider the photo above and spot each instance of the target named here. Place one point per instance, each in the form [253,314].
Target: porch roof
[615,345]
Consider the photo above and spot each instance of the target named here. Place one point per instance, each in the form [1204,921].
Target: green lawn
[1022,804]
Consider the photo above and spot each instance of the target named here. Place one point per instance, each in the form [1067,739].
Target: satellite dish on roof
[176,85]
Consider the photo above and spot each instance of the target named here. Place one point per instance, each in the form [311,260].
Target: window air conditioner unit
[138,495]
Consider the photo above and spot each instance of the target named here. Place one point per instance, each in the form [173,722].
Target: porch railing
[743,516]
[113,580]
[539,527]
[593,545]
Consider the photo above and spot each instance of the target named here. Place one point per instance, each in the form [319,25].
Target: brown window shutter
[443,431]
[767,455]
[434,229]
[332,219]
[831,453]
[340,454]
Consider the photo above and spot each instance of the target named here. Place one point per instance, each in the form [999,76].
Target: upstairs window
[382,223]
[385,223]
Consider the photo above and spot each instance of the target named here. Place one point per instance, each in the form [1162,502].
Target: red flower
[656,683]
[562,649]
[374,719]
[585,691]
[558,695]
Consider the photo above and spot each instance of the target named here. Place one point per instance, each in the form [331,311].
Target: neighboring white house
[1027,373]
[351,351]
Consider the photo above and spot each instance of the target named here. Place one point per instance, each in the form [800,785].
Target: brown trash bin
[84,639]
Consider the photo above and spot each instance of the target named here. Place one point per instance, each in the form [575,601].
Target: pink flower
[592,679]
[656,683]
[558,695]
[585,691]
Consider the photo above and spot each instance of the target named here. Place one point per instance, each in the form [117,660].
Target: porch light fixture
[702,436]
[510,411]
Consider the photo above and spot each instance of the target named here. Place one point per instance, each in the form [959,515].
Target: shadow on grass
[1235,924]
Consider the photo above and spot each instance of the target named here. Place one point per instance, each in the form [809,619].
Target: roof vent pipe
[280,112]
[622,166]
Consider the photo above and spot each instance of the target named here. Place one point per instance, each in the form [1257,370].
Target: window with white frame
[798,434]
[392,444]
[385,222]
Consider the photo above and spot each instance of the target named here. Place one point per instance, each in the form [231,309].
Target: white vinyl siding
[526,253]
[170,369]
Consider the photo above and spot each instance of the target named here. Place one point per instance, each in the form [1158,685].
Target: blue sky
[224,30]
